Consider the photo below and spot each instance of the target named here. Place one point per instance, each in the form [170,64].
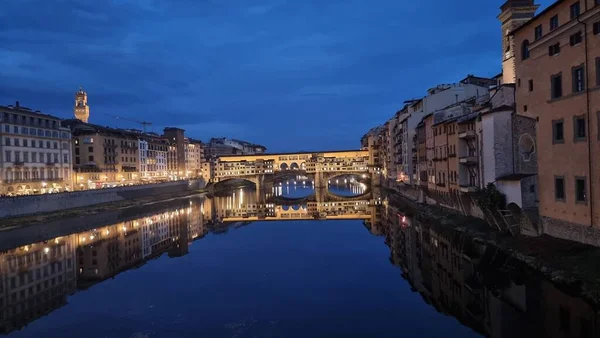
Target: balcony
[468,160]
[109,145]
[452,155]
[467,134]
[468,188]
[18,163]
[51,164]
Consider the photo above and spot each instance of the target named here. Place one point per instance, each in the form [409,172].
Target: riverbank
[17,222]
[571,266]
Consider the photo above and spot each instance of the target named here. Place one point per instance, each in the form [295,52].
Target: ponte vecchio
[323,166]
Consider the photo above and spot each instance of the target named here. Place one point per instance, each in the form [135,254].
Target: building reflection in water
[482,287]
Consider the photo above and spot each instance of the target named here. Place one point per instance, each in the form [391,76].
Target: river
[286,263]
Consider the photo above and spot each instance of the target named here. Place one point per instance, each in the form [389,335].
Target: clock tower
[82,110]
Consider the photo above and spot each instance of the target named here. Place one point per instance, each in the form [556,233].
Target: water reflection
[480,286]
[485,289]
[300,187]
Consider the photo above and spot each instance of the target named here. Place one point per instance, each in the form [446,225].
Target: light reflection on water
[346,187]
[171,272]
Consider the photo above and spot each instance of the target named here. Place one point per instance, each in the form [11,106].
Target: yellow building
[103,157]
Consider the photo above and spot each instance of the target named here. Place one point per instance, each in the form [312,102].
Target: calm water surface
[244,265]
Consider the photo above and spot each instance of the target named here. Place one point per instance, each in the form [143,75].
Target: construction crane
[143,123]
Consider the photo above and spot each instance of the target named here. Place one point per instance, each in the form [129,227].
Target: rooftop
[17,108]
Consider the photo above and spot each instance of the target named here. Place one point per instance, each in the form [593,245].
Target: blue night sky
[292,75]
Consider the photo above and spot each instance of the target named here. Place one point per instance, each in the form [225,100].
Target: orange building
[557,68]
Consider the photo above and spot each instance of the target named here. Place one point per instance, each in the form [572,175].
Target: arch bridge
[321,165]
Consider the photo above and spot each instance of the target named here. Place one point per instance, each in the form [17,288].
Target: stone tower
[82,110]
[514,14]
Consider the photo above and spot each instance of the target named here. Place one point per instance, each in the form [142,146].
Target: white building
[153,154]
[437,99]
[194,154]
[507,149]
[35,152]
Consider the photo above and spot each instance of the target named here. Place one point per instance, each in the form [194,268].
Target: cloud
[240,68]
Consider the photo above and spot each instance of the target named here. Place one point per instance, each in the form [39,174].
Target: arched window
[525,50]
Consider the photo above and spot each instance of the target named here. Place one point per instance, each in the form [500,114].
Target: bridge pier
[320,181]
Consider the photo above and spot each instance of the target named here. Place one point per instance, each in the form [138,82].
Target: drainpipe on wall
[587,108]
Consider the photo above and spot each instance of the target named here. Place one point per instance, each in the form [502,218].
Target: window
[538,32]
[559,188]
[33,157]
[575,10]
[554,49]
[525,50]
[578,79]
[580,193]
[17,142]
[8,155]
[596,27]
[7,141]
[525,108]
[91,158]
[91,149]
[598,71]
[558,131]
[530,82]
[556,86]
[579,130]
[65,158]
[6,128]
[15,129]
[77,151]
[554,22]
[575,39]
[25,143]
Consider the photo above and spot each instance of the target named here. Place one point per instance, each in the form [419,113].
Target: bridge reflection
[245,205]
[482,287]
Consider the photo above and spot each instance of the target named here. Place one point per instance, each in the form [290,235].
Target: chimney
[17,104]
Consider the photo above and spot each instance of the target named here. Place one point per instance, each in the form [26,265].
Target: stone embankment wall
[461,204]
[571,231]
[34,204]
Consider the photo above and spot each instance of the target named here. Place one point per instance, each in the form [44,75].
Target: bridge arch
[239,179]
[294,166]
[283,166]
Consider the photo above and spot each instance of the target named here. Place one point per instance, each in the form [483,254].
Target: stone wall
[34,204]
[571,231]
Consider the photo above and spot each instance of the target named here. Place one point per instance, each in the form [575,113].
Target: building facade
[557,73]
[194,156]
[35,152]
[103,157]
[153,154]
